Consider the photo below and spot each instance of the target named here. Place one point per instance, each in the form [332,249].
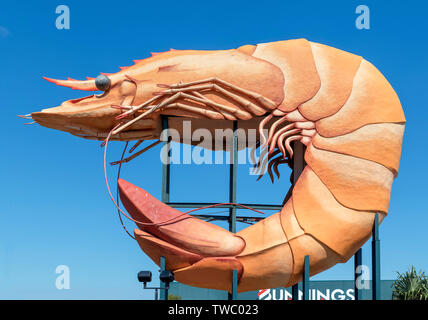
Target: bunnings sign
[318,290]
[314,294]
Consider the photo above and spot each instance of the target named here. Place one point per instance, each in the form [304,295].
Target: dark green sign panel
[318,290]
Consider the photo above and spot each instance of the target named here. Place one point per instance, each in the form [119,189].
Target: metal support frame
[298,166]
[306,279]
[358,261]
[166,171]
[234,295]
[376,260]
[233,168]
[166,167]
[163,289]
[156,294]
[232,218]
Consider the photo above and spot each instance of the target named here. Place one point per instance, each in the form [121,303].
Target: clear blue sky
[55,207]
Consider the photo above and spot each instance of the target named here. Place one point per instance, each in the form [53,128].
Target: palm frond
[410,285]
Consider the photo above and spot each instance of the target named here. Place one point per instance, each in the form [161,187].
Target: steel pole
[376,260]
[165,191]
[358,261]
[166,169]
[306,279]
[298,166]
[163,291]
[232,190]
[233,177]
[234,285]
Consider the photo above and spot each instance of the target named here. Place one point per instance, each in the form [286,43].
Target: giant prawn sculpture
[334,102]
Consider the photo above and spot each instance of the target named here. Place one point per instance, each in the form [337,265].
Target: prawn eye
[102,82]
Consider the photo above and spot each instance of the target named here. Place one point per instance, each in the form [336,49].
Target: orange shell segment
[267,233]
[380,142]
[289,222]
[321,257]
[277,265]
[355,183]
[321,216]
[336,69]
[296,61]
[213,273]
[372,100]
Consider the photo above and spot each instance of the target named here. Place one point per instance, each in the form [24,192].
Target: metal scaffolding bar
[306,279]
[165,192]
[226,218]
[376,260]
[231,218]
[295,292]
[358,261]
[233,168]
[166,166]
[298,166]
[205,204]
[234,285]
[163,291]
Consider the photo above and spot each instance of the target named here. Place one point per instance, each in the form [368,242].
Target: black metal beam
[163,291]
[206,204]
[166,167]
[376,260]
[226,218]
[358,261]
[233,168]
[306,274]
[298,166]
